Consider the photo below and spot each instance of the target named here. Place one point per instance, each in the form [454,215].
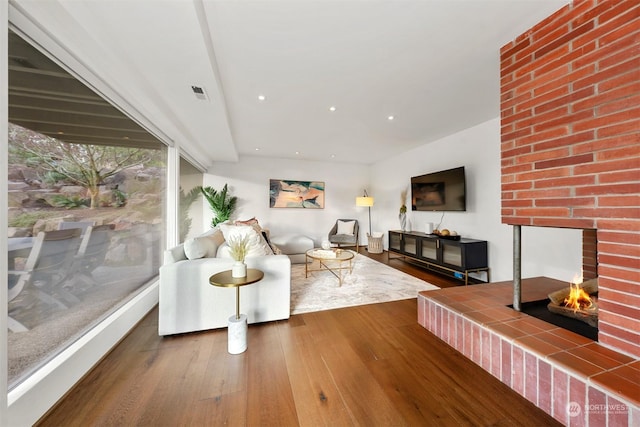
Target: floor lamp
[367,201]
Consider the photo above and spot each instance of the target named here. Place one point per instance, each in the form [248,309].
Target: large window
[190,212]
[86,209]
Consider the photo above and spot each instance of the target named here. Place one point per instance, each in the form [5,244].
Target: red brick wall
[589,254]
[570,110]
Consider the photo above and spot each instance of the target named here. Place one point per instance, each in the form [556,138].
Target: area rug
[369,282]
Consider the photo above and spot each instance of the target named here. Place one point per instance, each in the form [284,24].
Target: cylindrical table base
[237,339]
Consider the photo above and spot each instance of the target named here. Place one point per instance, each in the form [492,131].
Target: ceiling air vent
[199,93]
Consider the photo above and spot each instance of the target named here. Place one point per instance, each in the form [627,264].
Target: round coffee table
[329,260]
[237,330]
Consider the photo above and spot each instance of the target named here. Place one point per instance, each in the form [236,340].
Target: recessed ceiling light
[390,118]
[332,108]
[297,152]
[333,156]
[261,97]
[257,148]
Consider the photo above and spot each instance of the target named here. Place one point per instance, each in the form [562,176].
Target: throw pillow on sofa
[205,246]
[251,221]
[276,250]
[257,245]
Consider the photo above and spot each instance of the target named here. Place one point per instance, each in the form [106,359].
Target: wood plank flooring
[370,365]
[413,268]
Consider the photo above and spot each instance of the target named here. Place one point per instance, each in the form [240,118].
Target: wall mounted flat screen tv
[439,191]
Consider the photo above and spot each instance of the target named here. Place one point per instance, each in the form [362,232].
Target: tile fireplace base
[572,378]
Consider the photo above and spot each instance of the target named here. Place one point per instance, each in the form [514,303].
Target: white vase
[326,244]
[403,221]
[239,269]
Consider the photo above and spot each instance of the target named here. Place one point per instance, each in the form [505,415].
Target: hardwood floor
[370,365]
[413,269]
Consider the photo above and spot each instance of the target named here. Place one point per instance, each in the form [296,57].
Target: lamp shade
[364,201]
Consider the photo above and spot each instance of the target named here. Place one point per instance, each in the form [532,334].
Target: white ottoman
[293,245]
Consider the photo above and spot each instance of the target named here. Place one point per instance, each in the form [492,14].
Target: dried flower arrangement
[403,199]
[238,247]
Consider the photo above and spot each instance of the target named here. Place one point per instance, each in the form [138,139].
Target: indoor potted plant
[221,203]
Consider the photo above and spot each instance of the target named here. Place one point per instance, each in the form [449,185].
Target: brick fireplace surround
[570,144]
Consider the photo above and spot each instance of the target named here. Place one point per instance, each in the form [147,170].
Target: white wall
[550,252]
[555,253]
[248,180]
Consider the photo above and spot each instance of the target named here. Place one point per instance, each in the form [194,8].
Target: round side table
[237,330]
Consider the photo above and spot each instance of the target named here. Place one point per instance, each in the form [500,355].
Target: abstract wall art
[285,193]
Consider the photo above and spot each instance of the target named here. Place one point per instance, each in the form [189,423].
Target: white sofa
[189,303]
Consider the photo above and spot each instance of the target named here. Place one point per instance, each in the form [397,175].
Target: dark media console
[457,257]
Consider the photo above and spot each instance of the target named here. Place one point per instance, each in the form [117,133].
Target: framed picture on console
[286,193]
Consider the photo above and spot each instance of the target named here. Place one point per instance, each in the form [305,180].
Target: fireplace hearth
[552,367]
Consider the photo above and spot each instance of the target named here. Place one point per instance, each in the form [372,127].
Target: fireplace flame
[578,299]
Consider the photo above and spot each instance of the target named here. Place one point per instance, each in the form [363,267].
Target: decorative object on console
[221,203]
[296,194]
[403,221]
[446,234]
[403,210]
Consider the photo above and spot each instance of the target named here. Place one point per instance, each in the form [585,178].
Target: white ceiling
[433,64]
